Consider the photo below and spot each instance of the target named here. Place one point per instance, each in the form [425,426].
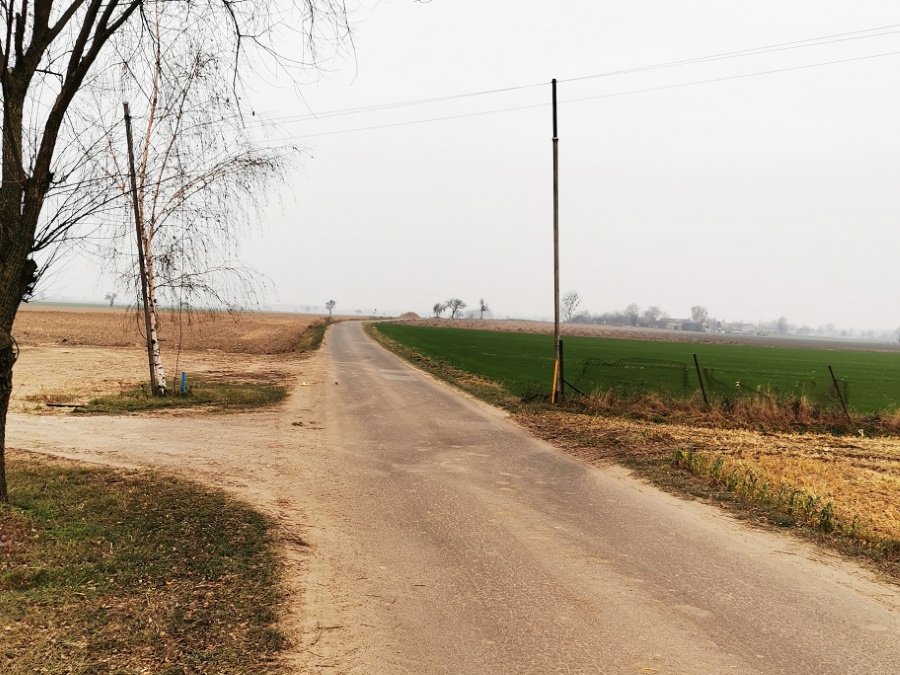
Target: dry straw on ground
[859,476]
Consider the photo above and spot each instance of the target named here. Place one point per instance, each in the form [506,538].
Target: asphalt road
[451,541]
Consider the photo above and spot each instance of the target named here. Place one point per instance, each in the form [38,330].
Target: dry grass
[69,396]
[764,411]
[244,332]
[209,396]
[124,572]
[860,476]
[856,479]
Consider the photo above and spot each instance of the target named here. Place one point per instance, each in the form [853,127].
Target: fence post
[840,395]
[700,378]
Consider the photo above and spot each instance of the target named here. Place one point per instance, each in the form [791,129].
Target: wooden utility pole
[139,228]
[558,368]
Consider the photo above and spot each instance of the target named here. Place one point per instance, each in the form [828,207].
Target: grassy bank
[841,490]
[109,572]
[312,337]
[212,395]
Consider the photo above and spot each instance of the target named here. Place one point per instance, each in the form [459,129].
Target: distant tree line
[700,320]
[456,306]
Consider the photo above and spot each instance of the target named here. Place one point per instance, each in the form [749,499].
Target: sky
[756,195]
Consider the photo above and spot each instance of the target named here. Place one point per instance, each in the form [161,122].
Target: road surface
[471,547]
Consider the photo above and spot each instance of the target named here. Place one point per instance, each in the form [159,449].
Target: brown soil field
[242,332]
[69,356]
[657,334]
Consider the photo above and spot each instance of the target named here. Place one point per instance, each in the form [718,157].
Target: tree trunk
[159,374]
[16,274]
[7,358]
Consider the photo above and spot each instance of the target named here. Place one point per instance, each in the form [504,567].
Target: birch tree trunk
[159,373]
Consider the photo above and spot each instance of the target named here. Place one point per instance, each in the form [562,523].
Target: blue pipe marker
[183,382]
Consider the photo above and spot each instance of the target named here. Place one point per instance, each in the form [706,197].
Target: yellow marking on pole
[555,376]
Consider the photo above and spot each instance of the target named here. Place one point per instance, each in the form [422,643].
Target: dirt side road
[443,539]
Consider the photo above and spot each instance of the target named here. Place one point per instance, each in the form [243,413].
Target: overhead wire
[754,51]
[583,99]
[890,29]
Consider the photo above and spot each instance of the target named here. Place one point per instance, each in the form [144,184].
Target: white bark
[159,373]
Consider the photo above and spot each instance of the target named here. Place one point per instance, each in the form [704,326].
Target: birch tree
[55,59]
[199,177]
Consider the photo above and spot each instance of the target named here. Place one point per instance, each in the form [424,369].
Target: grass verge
[484,389]
[841,491]
[312,337]
[523,363]
[103,571]
[213,395]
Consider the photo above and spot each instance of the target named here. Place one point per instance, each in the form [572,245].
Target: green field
[523,362]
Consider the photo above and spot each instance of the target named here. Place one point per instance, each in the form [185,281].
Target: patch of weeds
[751,486]
[60,398]
[784,505]
[312,337]
[102,571]
[211,394]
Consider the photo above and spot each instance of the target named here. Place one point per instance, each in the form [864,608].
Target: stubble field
[72,355]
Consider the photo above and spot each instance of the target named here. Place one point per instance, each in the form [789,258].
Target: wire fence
[633,377]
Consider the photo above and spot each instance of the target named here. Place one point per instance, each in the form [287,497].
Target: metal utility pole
[139,228]
[557,395]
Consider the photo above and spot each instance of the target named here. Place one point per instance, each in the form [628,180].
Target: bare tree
[482,308]
[111,298]
[330,305]
[439,308]
[633,312]
[198,178]
[653,314]
[52,60]
[699,314]
[455,305]
[570,302]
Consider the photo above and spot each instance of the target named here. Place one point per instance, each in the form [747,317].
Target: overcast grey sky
[757,196]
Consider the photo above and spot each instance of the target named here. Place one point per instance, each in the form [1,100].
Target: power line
[733,77]
[583,99]
[783,46]
[754,51]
